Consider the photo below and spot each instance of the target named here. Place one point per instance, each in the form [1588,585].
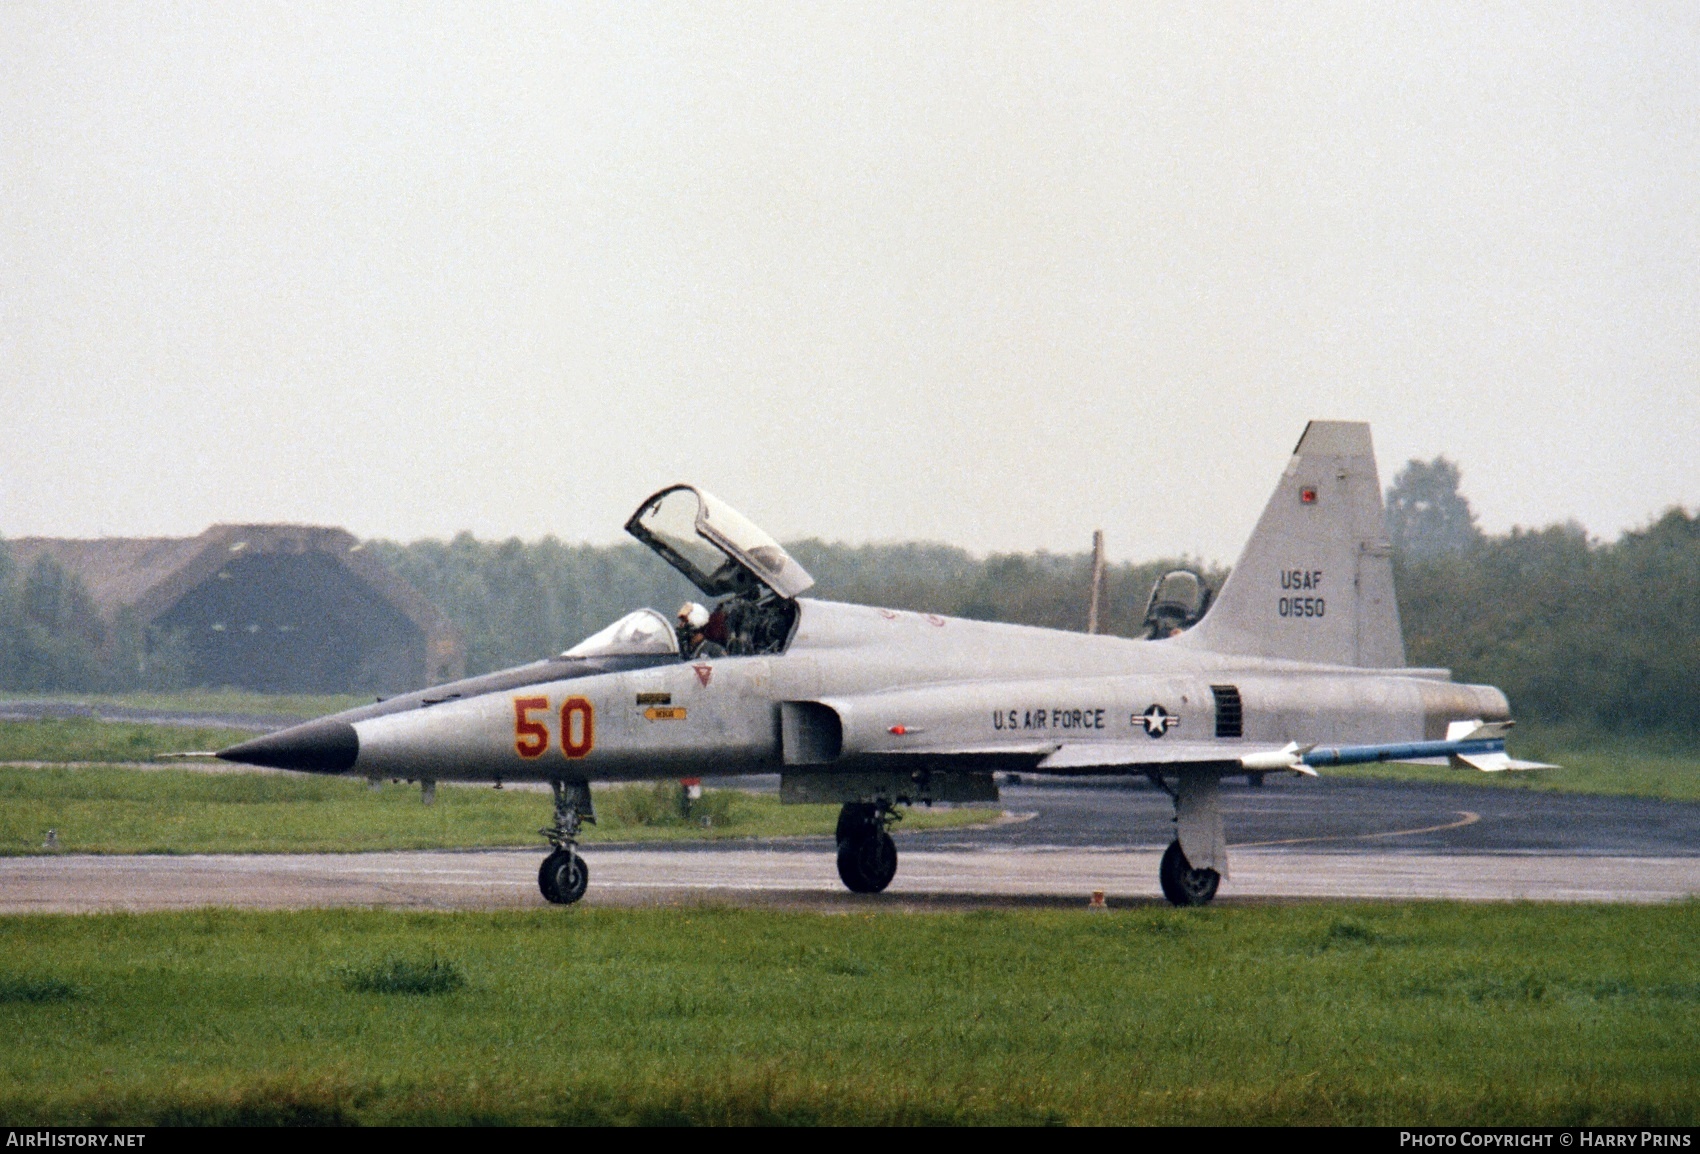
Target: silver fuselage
[902,683]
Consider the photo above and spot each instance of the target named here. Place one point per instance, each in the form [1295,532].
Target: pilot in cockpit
[701,633]
[725,556]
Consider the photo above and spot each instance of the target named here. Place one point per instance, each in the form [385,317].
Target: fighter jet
[1297,663]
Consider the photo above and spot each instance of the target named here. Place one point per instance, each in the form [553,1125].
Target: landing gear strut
[1183,885]
[867,857]
[563,875]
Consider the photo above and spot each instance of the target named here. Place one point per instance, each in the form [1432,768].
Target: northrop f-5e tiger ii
[1297,663]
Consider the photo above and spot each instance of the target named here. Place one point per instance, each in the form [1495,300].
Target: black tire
[856,820]
[546,878]
[867,864]
[563,877]
[1183,885]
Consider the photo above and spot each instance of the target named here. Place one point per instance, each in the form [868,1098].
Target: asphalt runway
[1338,815]
[1293,840]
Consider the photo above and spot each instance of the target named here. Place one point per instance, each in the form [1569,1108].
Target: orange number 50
[531,738]
[578,727]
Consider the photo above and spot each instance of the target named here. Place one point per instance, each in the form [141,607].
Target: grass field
[1589,762]
[1321,1013]
[99,809]
[85,739]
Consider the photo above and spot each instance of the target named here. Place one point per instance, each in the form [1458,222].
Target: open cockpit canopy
[714,545]
[644,633]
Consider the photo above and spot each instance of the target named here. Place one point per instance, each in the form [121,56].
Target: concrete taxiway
[501,879]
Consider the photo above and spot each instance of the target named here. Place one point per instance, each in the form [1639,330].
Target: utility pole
[1097,580]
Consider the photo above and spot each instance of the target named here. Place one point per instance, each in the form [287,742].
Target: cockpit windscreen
[644,632]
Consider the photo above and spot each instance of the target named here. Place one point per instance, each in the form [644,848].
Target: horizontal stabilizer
[1495,762]
[1478,730]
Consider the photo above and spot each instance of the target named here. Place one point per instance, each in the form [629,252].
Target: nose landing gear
[563,876]
[867,857]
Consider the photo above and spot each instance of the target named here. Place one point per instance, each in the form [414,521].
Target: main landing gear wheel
[868,864]
[563,877]
[867,857]
[1183,885]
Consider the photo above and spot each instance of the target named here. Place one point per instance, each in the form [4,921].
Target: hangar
[273,608]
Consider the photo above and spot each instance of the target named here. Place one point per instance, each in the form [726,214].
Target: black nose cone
[323,746]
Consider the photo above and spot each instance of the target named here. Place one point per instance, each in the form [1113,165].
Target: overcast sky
[988,274]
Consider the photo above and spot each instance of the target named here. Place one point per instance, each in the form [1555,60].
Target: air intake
[1229,714]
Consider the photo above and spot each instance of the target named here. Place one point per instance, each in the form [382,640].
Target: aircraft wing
[1139,756]
[1113,757]
[1479,750]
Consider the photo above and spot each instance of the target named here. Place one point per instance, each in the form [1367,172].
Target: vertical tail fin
[1315,582]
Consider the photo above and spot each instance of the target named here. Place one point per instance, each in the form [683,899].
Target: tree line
[1605,634]
[1573,629]
[515,601]
[53,637]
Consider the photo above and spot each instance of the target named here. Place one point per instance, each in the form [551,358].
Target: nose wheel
[867,857]
[563,876]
